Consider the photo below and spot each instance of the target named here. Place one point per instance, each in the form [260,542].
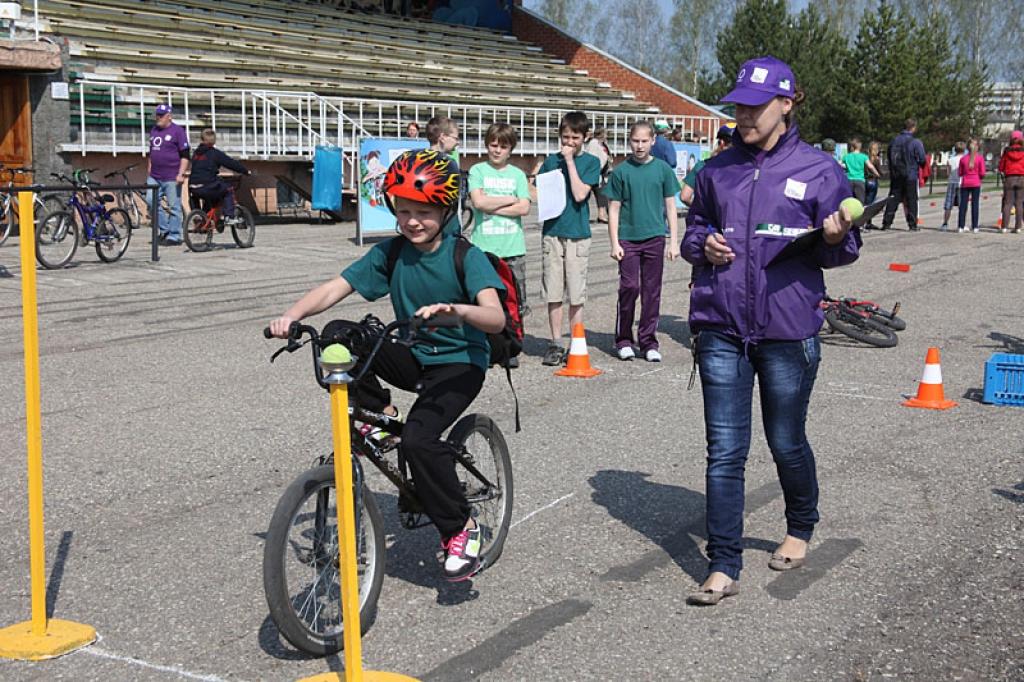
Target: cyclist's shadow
[412,556]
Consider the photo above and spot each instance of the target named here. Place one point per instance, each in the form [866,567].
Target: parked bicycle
[9,208]
[300,558]
[201,223]
[131,200]
[864,321]
[57,234]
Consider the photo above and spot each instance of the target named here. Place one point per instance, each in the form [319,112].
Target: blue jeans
[170,226]
[786,371]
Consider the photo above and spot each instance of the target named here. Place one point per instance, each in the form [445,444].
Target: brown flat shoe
[784,563]
[704,597]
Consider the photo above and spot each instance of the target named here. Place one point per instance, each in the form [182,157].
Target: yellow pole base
[62,636]
[368,676]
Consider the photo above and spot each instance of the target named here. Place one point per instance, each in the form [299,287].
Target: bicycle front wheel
[112,235]
[484,468]
[243,228]
[198,232]
[300,563]
[56,239]
[126,202]
[862,329]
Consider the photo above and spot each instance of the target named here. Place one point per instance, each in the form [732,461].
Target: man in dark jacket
[204,181]
[905,156]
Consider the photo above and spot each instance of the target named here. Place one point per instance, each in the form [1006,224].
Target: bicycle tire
[243,233]
[198,235]
[50,203]
[56,240]
[126,202]
[6,220]
[865,330]
[112,235]
[492,510]
[318,548]
[897,324]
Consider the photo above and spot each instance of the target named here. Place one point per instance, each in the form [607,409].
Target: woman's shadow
[672,517]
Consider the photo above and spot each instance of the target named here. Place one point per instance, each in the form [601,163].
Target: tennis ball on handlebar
[336,354]
[853,207]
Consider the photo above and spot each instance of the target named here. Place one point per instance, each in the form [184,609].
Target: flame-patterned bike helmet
[426,176]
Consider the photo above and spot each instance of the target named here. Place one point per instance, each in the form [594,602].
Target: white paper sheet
[550,195]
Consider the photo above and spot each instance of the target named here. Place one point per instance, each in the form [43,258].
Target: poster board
[687,155]
[375,155]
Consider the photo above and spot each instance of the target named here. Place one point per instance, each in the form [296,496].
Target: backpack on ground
[506,344]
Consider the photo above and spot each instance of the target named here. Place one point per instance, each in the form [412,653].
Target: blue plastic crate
[1004,380]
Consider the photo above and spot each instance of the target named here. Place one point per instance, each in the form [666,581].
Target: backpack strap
[394,250]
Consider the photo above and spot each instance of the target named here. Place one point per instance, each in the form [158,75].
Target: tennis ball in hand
[853,207]
[336,354]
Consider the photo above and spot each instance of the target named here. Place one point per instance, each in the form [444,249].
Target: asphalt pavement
[168,438]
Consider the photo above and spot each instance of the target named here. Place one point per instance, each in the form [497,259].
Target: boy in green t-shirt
[565,244]
[421,189]
[641,192]
[501,197]
[855,162]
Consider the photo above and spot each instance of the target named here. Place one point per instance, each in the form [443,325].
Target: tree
[694,27]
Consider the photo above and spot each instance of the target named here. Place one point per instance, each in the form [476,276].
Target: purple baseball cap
[162,109]
[761,79]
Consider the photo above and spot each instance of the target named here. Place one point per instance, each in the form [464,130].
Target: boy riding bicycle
[421,188]
[204,181]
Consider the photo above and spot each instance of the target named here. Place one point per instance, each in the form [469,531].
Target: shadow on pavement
[1010,343]
[677,328]
[1016,498]
[57,573]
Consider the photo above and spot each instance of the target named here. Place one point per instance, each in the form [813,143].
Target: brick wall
[556,43]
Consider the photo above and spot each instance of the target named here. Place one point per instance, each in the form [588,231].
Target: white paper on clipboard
[550,195]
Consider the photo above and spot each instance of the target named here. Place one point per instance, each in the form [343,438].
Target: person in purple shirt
[168,163]
[757,316]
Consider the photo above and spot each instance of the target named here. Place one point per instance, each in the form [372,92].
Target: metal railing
[280,125]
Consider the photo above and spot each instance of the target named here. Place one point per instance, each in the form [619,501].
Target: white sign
[59,90]
[550,195]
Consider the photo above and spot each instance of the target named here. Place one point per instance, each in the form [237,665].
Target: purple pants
[640,273]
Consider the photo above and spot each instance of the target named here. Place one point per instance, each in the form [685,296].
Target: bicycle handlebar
[121,171]
[361,332]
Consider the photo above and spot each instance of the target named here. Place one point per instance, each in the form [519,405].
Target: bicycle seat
[107,198]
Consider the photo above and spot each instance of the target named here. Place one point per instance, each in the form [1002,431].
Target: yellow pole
[37,552]
[41,638]
[346,533]
[347,550]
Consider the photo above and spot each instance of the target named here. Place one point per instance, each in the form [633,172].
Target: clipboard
[810,240]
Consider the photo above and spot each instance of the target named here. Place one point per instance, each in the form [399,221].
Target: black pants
[212,194]
[445,391]
[902,190]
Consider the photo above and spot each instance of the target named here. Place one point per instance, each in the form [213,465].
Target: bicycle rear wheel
[126,202]
[56,239]
[484,468]
[112,235]
[300,562]
[6,219]
[862,329]
[243,227]
[198,232]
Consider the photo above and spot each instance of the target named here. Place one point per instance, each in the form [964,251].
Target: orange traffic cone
[579,358]
[929,391]
[999,221]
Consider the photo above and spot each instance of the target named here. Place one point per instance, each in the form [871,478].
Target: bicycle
[300,559]
[9,208]
[129,199]
[57,234]
[863,321]
[201,224]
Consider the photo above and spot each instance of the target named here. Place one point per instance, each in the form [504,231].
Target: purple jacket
[761,200]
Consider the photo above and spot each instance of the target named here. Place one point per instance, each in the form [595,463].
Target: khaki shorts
[564,264]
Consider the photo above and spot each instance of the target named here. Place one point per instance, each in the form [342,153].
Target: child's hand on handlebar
[279,327]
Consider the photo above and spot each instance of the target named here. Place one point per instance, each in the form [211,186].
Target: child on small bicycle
[204,183]
[422,188]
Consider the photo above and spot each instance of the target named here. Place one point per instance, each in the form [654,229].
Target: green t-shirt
[854,162]
[501,235]
[423,279]
[642,189]
[574,223]
[691,178]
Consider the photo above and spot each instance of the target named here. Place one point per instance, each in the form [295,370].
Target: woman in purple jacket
[755,317]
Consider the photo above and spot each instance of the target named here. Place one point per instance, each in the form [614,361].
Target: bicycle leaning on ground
[57,234]
[863,320]
[9,209]
[300,557]
[200,224]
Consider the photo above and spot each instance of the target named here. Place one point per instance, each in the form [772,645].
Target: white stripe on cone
[578,346]
[932,374]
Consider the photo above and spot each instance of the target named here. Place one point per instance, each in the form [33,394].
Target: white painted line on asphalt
[857,395]
[102,653]
[538,511]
